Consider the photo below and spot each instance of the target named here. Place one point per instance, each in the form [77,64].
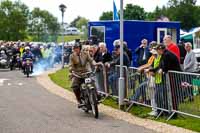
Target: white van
[72,31]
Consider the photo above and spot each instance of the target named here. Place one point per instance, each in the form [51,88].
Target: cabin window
[98,31]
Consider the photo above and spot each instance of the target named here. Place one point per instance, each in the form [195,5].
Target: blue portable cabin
[134,32]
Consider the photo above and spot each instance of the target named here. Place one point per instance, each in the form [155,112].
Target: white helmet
[2,52]
[2,46]
[116,42]
[27,48]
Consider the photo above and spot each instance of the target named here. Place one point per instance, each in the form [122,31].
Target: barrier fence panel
[113,75]
[185,89]
[150,91]
[176,92]
[101,80]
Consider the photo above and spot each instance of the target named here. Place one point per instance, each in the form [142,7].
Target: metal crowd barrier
[107,80]
[101,80]
[113,81]
[174,92]
[149,91]
[185,90]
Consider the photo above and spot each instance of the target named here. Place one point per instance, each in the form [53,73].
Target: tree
[106,16]
[131,12]
[82,22]
[184,11]
[73,23]
[157,13]
[134,12]
[41,24]
[175,3]
[14,20]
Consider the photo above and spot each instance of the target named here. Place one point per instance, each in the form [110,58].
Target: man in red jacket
[171,46]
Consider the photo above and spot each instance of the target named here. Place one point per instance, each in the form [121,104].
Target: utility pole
[62,8]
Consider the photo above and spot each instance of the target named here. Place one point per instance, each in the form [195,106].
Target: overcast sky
[90,9]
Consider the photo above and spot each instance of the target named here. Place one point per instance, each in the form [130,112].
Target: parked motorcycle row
[29,57]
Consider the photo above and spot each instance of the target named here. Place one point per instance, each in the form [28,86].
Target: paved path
[26,107]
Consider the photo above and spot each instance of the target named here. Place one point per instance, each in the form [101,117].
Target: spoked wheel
[85,107]
[94,104]
[19,65]
[27,72]
[11,67]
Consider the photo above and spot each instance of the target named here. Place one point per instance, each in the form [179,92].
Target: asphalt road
[27,107]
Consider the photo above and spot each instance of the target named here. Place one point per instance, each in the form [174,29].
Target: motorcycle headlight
[83,86]
[28,61]
[88,80]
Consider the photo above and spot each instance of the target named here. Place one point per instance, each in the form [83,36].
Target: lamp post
[62,8]
[121,79]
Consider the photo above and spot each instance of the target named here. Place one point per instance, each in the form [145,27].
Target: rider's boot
[31,69]
[78,98]
[23,70]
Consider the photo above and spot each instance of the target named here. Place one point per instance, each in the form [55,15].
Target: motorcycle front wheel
[27,71]
[94,103]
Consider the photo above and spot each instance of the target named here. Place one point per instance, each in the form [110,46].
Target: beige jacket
[79,63]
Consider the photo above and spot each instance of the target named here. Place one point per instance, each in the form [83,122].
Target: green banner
[196,82]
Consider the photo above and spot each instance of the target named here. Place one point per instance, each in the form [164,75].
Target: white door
[161,32]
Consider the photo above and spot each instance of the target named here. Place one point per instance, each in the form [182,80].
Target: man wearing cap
[169,61]
[78,64]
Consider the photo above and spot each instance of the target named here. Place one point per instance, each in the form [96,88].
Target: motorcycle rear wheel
[94,104]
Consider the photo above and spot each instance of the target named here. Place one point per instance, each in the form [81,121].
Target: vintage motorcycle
[88,93]
[3,62]
[15,61]
[28,66]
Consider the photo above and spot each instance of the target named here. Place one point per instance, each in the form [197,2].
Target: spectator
[106,56]
[169,61]
[103,56]
[152,46]
[171,46]
[128,51]
[112,79]
[141,90]
[94,52]
[182,51]
[143,53]
[190,61]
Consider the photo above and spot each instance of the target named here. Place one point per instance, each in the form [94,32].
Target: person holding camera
[143,53]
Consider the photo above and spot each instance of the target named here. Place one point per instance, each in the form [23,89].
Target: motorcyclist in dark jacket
[26,55]
[36,52]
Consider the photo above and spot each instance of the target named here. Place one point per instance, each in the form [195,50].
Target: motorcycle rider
[36,52]
[3,48]
[3,58]
[15,51]
[79,64]
[27,54]
[3,55]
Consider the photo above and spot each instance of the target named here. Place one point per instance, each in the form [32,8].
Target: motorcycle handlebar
[82,75]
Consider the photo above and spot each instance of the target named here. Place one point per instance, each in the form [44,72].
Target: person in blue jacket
[143,53]
[26,55]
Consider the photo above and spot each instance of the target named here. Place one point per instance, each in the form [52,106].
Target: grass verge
[61,79]
[69,38]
